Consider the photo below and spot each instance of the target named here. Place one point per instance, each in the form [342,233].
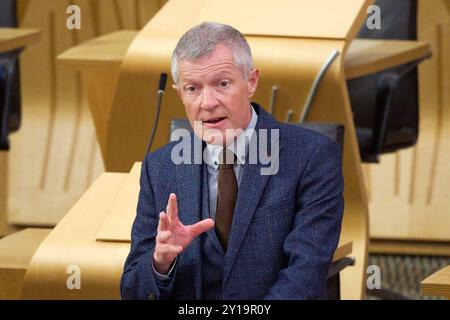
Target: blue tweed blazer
[285,227]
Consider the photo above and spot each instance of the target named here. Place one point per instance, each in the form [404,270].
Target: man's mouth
[214,120]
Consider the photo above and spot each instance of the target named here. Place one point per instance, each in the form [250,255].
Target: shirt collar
[239,146]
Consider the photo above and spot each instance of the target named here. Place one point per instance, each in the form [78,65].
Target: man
[219,231]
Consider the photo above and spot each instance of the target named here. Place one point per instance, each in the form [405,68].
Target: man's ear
[252,82]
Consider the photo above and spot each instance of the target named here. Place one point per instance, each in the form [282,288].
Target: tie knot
[227,158]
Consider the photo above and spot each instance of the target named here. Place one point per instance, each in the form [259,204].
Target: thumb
[201,226]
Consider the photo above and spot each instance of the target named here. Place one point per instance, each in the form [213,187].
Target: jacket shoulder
[160,159]
[304,137]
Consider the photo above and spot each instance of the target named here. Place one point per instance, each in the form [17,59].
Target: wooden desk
[11,39]
[438,283]
[89,238]
[16,251]
[103,51]
[364,56]
[369,56]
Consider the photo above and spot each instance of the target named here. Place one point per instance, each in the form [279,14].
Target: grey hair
[201,40]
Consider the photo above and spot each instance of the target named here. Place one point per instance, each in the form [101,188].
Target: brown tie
[227,190]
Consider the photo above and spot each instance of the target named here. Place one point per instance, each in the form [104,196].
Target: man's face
[214,91]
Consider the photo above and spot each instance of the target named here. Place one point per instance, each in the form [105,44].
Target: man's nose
[209,99]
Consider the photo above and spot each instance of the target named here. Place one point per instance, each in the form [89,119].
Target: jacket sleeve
[138,280]
[316,228]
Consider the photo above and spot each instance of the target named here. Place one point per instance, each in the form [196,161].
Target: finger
[159,223]
[201,226]
[172,209]
[164,248]
[163,224]
[163,236]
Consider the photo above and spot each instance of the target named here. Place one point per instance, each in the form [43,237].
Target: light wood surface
[75,241]
[438,283]
[118,221]
[15,38]
[366,56]
[104,51]
[99,60]
[16,251]
[321,19]
[343,250]
[409,190]
[410,247]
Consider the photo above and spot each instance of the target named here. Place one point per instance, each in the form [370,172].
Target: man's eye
[224,84]
[190,89]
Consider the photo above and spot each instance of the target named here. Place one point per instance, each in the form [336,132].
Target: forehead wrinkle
[208,69]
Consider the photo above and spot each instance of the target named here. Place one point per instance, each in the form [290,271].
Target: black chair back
[385,104]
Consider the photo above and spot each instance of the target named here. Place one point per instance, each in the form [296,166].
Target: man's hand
[173,237]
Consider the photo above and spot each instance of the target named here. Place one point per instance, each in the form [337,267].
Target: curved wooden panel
[16,251]
[72,245]
[305,19]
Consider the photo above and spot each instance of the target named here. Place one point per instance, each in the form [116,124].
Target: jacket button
[151,296]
